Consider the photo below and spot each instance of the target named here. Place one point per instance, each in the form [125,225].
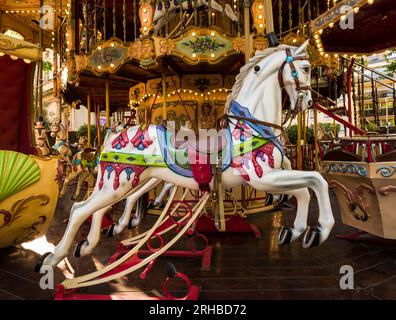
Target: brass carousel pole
[299,124]
[107,104]
[164,107]
[246,23]
[316,139]
[40,64]
[89,119]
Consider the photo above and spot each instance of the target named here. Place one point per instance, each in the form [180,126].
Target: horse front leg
[288,235]
[70,177]
[100,199]
[83,175]
[86,246]
[279,181]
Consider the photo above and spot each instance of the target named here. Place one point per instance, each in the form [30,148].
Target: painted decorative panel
[198,45]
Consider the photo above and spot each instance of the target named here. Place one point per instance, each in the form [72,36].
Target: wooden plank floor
[243,267]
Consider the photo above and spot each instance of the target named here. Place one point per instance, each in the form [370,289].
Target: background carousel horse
[58,131]
[142,160]
[43,147]
[170,6]
[83,166]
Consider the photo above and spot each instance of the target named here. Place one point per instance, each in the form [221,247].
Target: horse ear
[301,48]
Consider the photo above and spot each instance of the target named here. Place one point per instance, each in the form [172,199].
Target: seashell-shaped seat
[28,196]
[17,171]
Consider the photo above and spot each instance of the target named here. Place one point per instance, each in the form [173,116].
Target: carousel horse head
[40,133]
[260,82]
[55,128]
[295,77]
[82,143]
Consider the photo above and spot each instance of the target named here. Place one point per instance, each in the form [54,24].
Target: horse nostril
[310,103]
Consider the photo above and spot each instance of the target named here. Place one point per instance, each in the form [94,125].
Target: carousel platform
[243,267]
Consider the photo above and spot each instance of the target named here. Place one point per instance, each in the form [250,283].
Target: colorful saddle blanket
[263,130]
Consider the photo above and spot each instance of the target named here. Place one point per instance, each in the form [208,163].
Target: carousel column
[146,14]
[246,23]
[67,121]
[272,39]
[259,18]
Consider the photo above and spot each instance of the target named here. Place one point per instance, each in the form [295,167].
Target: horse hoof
[284,198]
[110,231]
[311,237]
[170,269]
[77,250]
[269,199]
[285,236]
[133,222]
[162,205]
[151,205]
[39,263]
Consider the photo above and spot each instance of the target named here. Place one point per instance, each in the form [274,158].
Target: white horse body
[257,88]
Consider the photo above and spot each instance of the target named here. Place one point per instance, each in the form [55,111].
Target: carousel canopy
[372,31]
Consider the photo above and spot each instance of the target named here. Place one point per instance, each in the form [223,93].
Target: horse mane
[246,68]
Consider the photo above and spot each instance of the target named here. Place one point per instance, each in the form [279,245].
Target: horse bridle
[294,73]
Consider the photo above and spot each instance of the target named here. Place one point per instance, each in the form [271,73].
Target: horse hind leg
[141,208]
[86,246]
[124,220]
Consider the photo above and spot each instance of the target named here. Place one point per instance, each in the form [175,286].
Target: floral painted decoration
[241,131]
[204,44]
[142,140]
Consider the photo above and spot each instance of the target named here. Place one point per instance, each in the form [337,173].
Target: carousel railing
[367,87]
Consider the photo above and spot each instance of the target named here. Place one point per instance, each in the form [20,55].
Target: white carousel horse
[40,133]
[83,166]
[255,101]
[172,5]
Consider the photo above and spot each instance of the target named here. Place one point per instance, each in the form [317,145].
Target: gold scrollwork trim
[14,213]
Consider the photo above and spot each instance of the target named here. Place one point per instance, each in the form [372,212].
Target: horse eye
[306,69]
[256,68]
